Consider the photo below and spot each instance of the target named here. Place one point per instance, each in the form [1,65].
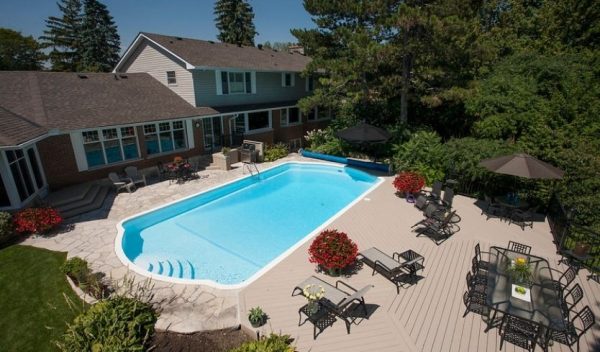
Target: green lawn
[33,308]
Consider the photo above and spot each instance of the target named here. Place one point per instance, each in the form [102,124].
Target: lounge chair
[448,198]
[523,217]
[121,183]
[421,202]
[397,268]
[438,231]
[338,300]
[135,176]
[491,209]
[436,191]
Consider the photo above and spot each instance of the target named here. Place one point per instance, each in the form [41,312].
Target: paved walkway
[424,317]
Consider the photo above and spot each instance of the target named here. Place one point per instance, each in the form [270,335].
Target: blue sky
[187,18]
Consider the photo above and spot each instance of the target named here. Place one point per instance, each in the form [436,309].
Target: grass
[33,308]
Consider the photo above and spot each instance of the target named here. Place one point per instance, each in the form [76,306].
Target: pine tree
[63,36]
[234,20]
[100,41]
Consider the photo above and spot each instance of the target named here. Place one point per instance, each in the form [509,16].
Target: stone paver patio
[424,317]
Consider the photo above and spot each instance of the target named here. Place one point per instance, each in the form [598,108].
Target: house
[168,96]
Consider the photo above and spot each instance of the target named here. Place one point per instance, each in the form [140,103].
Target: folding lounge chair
[336,299]
[436,191]
[396,268]
[438,231]
[120,183]
[133,173]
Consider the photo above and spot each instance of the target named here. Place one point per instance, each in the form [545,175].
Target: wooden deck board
[427,316]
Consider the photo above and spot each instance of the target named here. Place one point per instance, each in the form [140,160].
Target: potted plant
[257,317]
[408,183]
[333,251]
[520,271]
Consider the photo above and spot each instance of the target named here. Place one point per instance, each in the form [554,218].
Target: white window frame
[258,130]
[174,78]
[318,116]
[12,192]
[219,82]
[157,132]
[102,141]
[292,79]
[287,122]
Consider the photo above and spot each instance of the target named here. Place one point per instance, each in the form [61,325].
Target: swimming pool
[229,235]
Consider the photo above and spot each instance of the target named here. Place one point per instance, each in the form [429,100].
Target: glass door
[26,171]
[213,130]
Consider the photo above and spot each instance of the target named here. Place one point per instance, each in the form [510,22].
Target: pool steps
[182,269]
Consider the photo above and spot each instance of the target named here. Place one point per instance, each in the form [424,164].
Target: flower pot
[335,272]
[581,249]
[258,323]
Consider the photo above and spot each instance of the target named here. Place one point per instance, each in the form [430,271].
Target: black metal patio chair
[575,328]
[573,296]
[491,209]
[519,247]
[476,283]
[475,303]
[481,264]
[567,277]
[436,191]
[519,332]
[522,217]
[438,231]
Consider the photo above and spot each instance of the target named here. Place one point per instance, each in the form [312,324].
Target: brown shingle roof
[210,54]
[66,101]
[15,129]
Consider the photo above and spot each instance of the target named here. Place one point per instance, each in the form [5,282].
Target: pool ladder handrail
[248,165]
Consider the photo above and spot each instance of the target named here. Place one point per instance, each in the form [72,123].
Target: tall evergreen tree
[63,36]
[100,41]
[18,52]
[234,20]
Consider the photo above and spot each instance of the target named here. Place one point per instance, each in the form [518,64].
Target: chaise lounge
[400,268]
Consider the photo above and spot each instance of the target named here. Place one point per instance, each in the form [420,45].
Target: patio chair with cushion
[491,209]
[121,183]
[338,299]
[522,217]
[578,326]
[137,178]
[400,268]
[519,332]
[519,247]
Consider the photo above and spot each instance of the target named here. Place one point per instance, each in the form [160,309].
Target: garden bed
[216,340]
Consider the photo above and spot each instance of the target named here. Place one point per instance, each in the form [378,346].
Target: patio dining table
[542,302]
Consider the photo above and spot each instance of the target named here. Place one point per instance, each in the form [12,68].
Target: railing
[567,233]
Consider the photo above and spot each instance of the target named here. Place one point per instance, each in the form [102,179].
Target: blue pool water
[230,233]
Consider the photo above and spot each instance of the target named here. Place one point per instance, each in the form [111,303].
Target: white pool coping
[137,269]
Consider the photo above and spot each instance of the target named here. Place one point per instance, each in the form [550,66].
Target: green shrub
[422,153]
[114,324]
[77,269]
[276,151]
[324,141]
[273,343]
[7,230]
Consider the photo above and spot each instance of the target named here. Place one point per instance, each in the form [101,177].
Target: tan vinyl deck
[425,317]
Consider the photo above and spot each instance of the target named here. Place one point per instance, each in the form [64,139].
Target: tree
[234,20]
[18,52]
[279,46]
[100,41]
[63,36]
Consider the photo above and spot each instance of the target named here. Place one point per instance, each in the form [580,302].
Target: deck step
[69,194]
[180,269]
[94,200]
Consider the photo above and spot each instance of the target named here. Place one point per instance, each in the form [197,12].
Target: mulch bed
[216,340]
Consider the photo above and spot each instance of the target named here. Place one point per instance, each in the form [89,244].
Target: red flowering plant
[36,220]
[408,182]
[333,251]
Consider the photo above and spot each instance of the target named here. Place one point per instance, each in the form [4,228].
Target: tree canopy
[18,52]
[63,36]
[234,20]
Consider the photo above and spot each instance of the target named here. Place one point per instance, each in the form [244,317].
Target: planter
[258,323]
[581,249]
[222,161]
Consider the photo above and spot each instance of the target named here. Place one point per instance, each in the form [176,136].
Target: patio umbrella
[522,165]
[363,133]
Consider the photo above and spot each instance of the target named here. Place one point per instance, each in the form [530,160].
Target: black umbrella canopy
[364,133]
[522,165]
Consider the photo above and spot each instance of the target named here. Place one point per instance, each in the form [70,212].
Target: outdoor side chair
[481,264]
[397,268]
[121,183]
[338,299]
[476,283]
[519,247]
[475,303]
[134,175]
[578,326]
[491,209]
[563,281]
[519,332]
[573,296]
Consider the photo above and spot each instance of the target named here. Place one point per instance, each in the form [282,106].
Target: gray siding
[156,62]
[268,89]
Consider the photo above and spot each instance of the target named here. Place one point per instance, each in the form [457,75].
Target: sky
[273,19]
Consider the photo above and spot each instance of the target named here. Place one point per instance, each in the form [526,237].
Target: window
[164,137]
[289,116]
[27,177]
[258,120]
[171,78]
[235,83]
[312,114]
[4,200]
[310,84]
[109,145]
[288,79]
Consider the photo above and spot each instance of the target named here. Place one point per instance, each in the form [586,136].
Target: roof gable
[203,54]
